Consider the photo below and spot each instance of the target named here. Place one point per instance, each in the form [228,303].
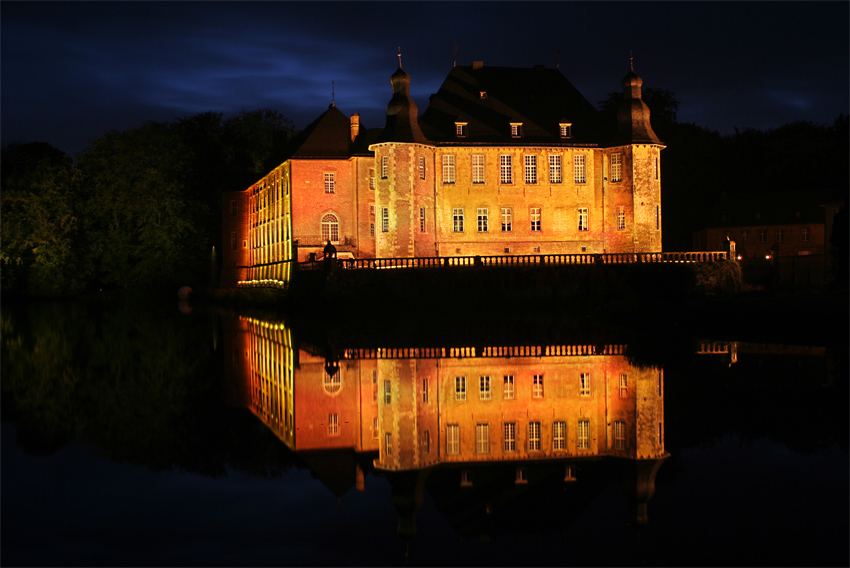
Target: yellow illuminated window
[482,438]
[583,440]
[533,436]
[584,384]
[484,388]
[453,439]
[555,169]
[460,388]
[510,436]
[559,436]
[579,168]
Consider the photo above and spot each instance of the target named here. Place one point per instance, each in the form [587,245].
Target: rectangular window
[534,216]
[621,218]
[616,167]
[385,219]
[330,182]
[583,440]
[579,169]
[371,210]
[624,385]
[425,391]
[453,439]
[660,434]
[780,235]
[333,424]
[375,388]
[510,436]
[448,168]
[388,392]
[371,179]
[426,441]
[566,129]
[457,218]
[484,388]
[385,166]
[374,428]
[233,241]
[619,435]
[582,219]
[506,173]
[804,234]
[530,169]
[584,386]
[482,438]
[460,388]
[371,229]
[421,168]
[537,387]
[763,235]
[483,215]
[507,219]
[508,387]
[555,169]
[388,443]
[478,168]
[657,217]
[232,207]
[559,436]
[516,130]
[533,436]
[422,219]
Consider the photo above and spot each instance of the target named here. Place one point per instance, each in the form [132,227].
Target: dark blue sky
[72,71]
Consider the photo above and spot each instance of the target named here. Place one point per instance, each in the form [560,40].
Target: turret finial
[399,57]
[333,93]
[631,61]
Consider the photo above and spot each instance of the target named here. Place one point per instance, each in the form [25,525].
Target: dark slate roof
[771,208]
[538,97]
[329,136]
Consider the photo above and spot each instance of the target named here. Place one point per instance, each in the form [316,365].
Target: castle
[504,161]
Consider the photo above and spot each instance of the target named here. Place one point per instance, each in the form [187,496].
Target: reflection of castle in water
[477,420]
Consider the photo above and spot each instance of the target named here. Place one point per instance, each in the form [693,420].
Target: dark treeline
[138,208]
[141,208]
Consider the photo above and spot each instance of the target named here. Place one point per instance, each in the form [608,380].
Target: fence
[520,260]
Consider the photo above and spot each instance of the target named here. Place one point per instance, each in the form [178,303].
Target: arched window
[332,384]
[330,228]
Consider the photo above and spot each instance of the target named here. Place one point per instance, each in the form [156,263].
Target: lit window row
[534,436]
[530,169]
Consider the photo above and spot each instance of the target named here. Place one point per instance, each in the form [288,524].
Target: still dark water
[139,435]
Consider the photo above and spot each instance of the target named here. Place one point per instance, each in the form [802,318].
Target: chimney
[477,64]
[355,126]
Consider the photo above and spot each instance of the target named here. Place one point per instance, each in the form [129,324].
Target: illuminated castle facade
[504,161]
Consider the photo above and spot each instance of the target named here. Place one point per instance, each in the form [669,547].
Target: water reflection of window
[624,384]
[388,392]
[533,436]
[375,428]
[585,384]
[583,441]
[510,436]
[619,435]
[453,439]
[482,438]
[484,388]
[466,478]
[460,388]
[521,475]
[559,436]
[333,384]
[375,386]
[333,424]
[659,382]
[426,441]
[660,434]
[508,389]
[388,443]
[537,390]
[425,391]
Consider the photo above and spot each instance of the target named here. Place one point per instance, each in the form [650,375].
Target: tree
[41,249]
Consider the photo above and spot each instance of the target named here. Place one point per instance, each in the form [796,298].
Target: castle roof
[489,99]
[329,136]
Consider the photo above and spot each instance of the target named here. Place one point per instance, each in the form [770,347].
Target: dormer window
[566,129]
[460,129]
[516,130]
[482,94]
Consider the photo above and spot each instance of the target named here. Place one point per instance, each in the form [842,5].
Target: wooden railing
[519,260]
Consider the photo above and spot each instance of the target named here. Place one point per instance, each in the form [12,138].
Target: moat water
[146,435]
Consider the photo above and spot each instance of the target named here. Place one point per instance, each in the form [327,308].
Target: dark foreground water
[143,436]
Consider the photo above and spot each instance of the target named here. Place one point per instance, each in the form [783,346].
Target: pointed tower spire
[402,112]
[633,125]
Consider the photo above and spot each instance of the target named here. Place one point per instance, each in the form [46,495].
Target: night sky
[72,71]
